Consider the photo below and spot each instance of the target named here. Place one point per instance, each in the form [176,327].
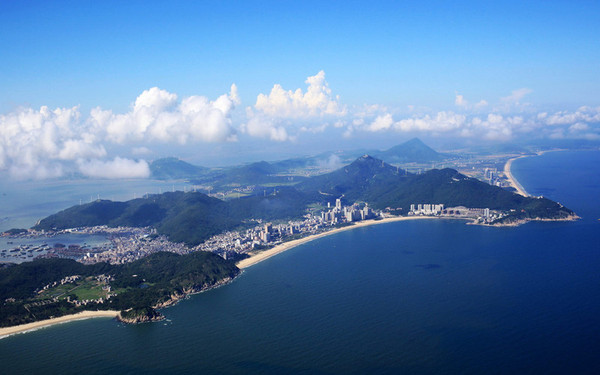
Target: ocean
[418,297]
[23,203]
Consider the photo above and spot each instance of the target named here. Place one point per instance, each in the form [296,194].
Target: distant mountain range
[174,169]
[412,151]
[194,217]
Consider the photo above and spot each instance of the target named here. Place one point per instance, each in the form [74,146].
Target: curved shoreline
[257,258]
[511,179]
[7,331]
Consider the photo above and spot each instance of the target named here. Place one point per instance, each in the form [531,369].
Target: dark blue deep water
[423,297]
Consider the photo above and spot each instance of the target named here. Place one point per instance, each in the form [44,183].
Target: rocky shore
[150,314]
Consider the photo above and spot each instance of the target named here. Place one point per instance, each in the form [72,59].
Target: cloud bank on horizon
[48,143]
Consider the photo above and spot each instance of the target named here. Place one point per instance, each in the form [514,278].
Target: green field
[88,288]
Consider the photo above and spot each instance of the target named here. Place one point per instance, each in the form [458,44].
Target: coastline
[257,258]
[6,331]
[511,179]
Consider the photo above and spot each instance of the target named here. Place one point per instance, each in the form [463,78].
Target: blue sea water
[423,297]
[23,203]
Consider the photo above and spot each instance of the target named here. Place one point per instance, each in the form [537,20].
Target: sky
[103,88]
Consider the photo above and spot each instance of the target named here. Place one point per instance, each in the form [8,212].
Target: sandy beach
[513,181]
[63,319]
[257,258]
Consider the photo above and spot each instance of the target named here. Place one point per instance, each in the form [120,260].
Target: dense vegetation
[144,283]
[193,217]
[382,185]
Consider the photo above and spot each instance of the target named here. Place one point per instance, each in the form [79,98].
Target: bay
[425,297]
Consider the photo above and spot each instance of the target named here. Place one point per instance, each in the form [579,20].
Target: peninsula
[171,245]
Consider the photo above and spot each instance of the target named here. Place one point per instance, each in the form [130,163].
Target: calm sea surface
[423,297]
[23,203]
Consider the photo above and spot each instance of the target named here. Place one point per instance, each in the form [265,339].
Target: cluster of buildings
[129,244]
[426,209]
[128,247]
[229,244]
[346,214]
[480,215]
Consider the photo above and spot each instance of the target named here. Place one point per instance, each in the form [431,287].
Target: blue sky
[392,70]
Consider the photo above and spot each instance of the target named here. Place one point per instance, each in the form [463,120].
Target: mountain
[259,173]
[412,151]
[184,217]
[353,180]
[194,217]
[381,185]
[173,168]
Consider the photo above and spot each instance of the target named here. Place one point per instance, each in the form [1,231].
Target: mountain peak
[413,150]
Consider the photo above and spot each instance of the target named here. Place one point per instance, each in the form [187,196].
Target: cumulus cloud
[583,123]
[114,169]
[48,143]
[504,122]
[158,116]
[265,127]
[381,122]
[272,114]
[316,101]
[462,102]
[441,122]
[34,142]
[582,114]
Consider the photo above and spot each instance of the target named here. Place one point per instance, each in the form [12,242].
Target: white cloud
[441,122]
[578,127]
[582,114]
[272,115]
[382,122]
[48,143]
[265,127]
[157,116]
[460,101]
[516,96]
[114,169]
[316,101]
[480,104]
[141,151]
[34,142]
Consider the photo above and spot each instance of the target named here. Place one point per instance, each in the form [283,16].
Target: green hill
[382,185]
[173,168]
[184,217]
[352,181]
[141,285]
[193,217]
